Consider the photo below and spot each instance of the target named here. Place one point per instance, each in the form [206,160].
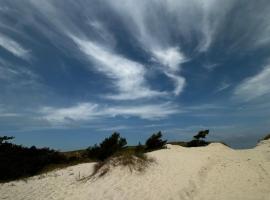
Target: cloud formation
[255,86]
[129,75]
[132,57]
[14,47]
[90,111]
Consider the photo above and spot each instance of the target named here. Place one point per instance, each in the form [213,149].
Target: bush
[267,137]
[18,161]
[107,148]
[201,134]
[5,139]
[197,143]
[155,142]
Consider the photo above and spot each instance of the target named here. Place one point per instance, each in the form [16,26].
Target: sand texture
[204,173]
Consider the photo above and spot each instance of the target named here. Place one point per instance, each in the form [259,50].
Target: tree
[201,134]
[5,138]
[197,142]
[155,141]
[107,147]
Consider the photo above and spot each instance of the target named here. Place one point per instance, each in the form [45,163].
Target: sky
[73,72]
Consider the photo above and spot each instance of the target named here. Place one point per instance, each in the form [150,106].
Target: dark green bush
[5,139]
[155,142]
[197,143]
[201,134]
[107,148]
[17,161]
[267,137]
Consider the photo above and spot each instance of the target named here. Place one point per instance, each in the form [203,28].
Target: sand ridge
[212,172]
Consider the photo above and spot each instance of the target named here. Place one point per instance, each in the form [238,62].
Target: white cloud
[90,111]
[179,82]
[101,30]
[129,75]
[115,128]
[4,112]
[82,111]
[13,47]
[223,86]
[152,33]
[213,13]
[170,58]
[15,76]
[254,87]
[148,111]
[210,67]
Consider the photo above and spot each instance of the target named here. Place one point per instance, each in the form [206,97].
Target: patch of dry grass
[134,162]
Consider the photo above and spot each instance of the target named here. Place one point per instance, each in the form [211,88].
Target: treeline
[17,161]
[115,144]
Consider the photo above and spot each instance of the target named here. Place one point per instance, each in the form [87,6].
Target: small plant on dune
[133,158]
[198,139]
[267,137]
[107,148]
[155,142]
[201,134]
[132,161]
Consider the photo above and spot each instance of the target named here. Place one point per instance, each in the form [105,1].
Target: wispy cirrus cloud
[210,67]
[14,47]
[7,114]
[140,54]
[171,59]
[153,37]
[223,86]
[129,75]
[89,111]
[255,86]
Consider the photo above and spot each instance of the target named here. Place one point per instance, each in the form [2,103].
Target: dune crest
[212,172]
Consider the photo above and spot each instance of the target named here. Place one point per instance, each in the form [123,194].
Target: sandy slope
[213,172]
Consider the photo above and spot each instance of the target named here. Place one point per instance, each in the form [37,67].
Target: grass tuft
[135,162]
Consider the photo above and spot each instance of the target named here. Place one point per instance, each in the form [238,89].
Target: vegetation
[5,139]
[201,134]
[133,163]
[267,137]
[107,148]
[155,142]
[133,158]
[18,161]
[198,142]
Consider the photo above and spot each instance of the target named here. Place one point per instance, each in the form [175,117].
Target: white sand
[214,172]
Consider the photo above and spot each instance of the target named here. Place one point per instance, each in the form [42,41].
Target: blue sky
[72,72]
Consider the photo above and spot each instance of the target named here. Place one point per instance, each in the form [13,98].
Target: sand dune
[205,173]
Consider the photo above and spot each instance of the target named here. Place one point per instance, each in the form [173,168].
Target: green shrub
[107,148]
[267,137]
[17,161]
[197,142]
[155,142]
[201,134]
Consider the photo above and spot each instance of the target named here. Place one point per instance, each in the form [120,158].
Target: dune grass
[128,158]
